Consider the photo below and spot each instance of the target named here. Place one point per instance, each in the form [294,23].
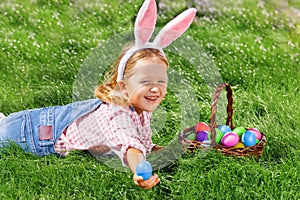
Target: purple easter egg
[230,139]
[249,138]
[202,135]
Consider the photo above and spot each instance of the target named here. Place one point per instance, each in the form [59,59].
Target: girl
[118,120]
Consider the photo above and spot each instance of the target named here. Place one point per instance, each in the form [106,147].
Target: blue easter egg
[249,138]
[224,128]
[144,169]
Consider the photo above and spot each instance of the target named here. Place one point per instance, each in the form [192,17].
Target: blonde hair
[109,91]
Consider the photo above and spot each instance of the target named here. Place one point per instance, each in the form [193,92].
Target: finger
[137,183]
[138,178]
[151,182]
[156,180]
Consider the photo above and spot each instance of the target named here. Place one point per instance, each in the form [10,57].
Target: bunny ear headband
[144,27]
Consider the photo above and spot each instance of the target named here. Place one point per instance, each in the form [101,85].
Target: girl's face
[146,85]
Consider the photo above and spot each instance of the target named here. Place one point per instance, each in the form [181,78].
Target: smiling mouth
[151,98]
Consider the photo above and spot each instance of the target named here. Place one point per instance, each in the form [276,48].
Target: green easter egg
[257,141]
[239,130]
[219,135]
[191,136]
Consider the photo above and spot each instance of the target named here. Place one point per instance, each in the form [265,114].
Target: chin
[149,109]
[152,109]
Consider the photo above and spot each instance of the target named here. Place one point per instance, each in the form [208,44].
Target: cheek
[137,93]
[132,89]
[163,92]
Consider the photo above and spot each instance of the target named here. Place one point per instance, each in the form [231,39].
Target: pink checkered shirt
[110,128]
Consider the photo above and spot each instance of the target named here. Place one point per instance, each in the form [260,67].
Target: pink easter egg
[230,139]
[256,132]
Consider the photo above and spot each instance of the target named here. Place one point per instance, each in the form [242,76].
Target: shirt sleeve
[124,134]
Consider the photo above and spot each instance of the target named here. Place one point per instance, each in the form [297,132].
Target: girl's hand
[146,184]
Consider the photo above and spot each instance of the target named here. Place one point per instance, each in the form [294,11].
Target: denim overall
[37,130]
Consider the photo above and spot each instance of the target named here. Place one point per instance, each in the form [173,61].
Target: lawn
[54,52]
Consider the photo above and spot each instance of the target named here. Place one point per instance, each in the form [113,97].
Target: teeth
[152,98]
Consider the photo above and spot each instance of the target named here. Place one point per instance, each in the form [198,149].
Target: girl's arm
[134,156]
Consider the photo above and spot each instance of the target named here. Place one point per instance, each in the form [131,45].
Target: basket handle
[213,123]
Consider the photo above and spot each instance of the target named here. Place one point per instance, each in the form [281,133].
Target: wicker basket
[192,145]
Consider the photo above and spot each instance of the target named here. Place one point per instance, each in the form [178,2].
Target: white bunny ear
[175,28]
[145,22]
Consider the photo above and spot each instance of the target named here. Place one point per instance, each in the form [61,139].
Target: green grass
[255,47]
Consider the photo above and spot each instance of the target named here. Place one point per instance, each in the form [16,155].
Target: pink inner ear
[173,32]
[146,21]
[169,37]
[183,24]
[176,27]
[145,29]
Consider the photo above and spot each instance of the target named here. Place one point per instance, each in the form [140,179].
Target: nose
[154,89]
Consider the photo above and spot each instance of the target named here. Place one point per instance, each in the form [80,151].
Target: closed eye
[145,82]
[163,82]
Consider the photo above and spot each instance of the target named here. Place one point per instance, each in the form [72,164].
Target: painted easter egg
[219,136]
[206,143]
[239,145]
[239,130]
[201,126]
[144,169]
[249,138]
[224,128]
[191,136]
[202,135]
[230,139]
[256,132]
